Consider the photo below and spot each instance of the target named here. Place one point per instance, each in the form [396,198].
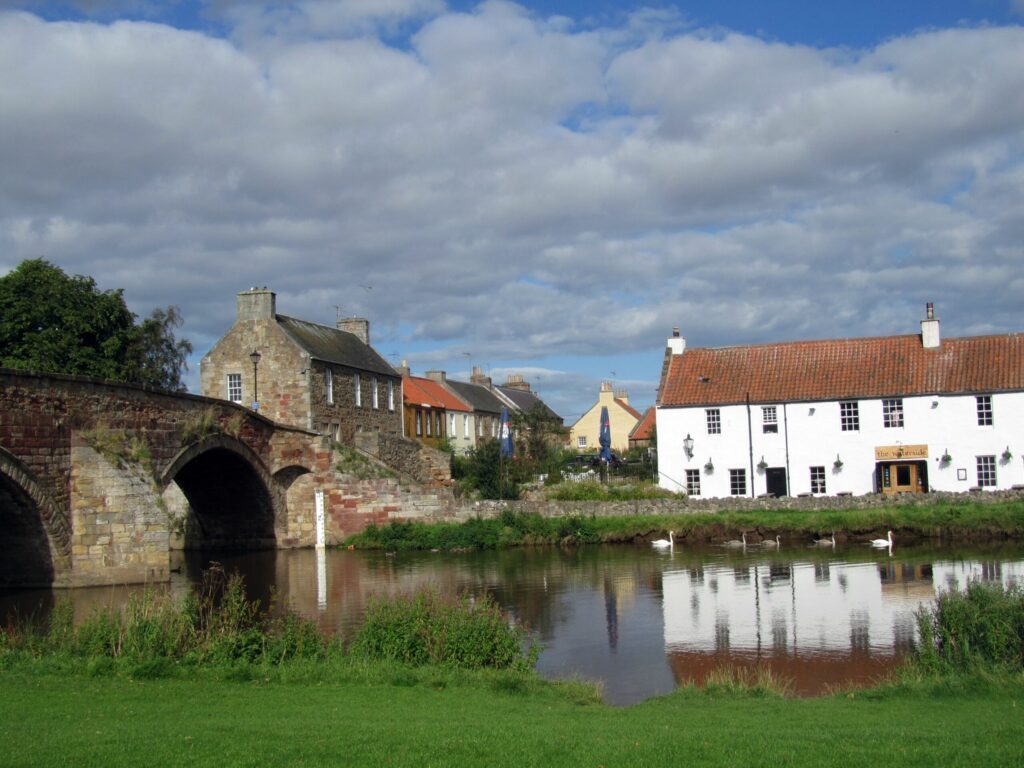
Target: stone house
[622,417]
[329,380]
[486,407]
[892,414]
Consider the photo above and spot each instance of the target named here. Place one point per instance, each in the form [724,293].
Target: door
[775,479]
[900,478]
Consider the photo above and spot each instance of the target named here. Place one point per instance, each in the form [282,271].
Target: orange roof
[889,366]
[420,391]
[628,408]
[644,429]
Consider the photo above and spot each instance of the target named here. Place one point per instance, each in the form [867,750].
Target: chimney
[404,369]
[622,395]
[478,377]
[516,381]
[256,304]
[930,328]
[357,326]
[437,376]
[676,343]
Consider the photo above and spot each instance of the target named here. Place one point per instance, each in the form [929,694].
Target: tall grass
[978,629]
[429,628]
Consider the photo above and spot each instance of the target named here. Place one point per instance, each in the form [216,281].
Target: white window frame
[769,419]
[419,423]
[235,387]
[713,420]
[391,395]
[374,397]
[465,425]
[581,441]
[430,422]
[737,482]
[818,480]
[357,382]
[892,413]
[693,482]
[849,416]
[986,471]
[329,385]
[984,410]
[451,425]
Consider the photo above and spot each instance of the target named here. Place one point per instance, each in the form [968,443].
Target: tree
[59,324]
[537,430]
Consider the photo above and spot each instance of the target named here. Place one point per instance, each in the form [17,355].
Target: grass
[953,520]
[469,720]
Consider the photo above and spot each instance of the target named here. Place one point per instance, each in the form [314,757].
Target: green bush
[428,628]
[981,627]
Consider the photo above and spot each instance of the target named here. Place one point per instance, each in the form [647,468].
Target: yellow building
[622,417]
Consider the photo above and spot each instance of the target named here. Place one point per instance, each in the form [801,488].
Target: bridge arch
[35,538]
[231,499]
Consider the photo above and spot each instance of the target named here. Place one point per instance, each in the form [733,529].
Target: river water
[639,620]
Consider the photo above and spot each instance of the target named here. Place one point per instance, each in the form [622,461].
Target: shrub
[428,628]
[981,627]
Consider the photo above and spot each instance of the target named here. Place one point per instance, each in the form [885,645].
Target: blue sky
[536,188]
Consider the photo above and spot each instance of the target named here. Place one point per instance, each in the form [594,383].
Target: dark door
[775,478]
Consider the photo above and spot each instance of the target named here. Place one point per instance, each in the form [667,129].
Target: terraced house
[894,414]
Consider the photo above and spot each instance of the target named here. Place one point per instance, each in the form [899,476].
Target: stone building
[329,380]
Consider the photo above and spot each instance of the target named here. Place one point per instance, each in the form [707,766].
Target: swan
[734,543]
[887,542]
[770,543]
[662,543]
[826,542]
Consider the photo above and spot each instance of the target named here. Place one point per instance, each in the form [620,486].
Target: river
[639,620]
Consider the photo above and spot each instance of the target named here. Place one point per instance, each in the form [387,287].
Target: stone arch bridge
[100,481]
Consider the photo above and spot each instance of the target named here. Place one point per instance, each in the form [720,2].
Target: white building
[848,416]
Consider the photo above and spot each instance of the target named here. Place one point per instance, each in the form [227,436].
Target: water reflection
[641,621]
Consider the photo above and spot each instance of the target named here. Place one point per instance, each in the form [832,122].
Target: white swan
[770,543]
[826,542]
[735,543]
[887,542]
[663,543]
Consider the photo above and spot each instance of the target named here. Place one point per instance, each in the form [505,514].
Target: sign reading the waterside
[890,452]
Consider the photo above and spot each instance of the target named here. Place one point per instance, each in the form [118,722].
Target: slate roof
[421,391]
[644,429]
[332,345]
[840,369]
[479,397]
[524,400]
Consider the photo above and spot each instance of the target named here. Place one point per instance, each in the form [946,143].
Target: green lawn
[74,719]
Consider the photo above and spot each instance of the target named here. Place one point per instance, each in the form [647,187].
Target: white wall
[943,423]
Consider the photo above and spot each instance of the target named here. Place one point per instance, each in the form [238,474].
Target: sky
[537,188]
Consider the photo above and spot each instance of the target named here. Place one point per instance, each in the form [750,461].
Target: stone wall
[424,464]
[343,419]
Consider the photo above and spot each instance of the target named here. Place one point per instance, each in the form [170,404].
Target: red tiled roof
[644,429]
[420,391]
[887,366]
[628,408]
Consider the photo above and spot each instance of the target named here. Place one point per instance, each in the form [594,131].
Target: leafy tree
[55,323]
[538,431]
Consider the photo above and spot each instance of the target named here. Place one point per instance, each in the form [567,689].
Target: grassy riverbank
[441,719]
[958,521]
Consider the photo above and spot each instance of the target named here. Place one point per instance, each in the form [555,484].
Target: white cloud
[507,181]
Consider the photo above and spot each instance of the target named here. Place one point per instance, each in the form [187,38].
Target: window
[693,482]
[769,419]
[581,441]
[984,410]
[429,423]
[329,385]
[494,428]
[714,419]
[465,425]
[479,427]
[437,424]
[451,424]
[738,482]
[358,384]
[818,480]
[373,394]
[892,413]
[986,471]
[391,395]
[849,416]
[419,423]
[235,387]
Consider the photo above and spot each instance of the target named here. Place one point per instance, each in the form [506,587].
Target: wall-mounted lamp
[935,403]
[688,446]
[810,411]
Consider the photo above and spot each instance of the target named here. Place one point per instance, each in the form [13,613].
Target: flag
[505,435]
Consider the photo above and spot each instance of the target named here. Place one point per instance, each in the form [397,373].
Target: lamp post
[255,357]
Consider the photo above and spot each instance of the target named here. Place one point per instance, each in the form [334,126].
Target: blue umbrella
[606,436]
[505,435]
